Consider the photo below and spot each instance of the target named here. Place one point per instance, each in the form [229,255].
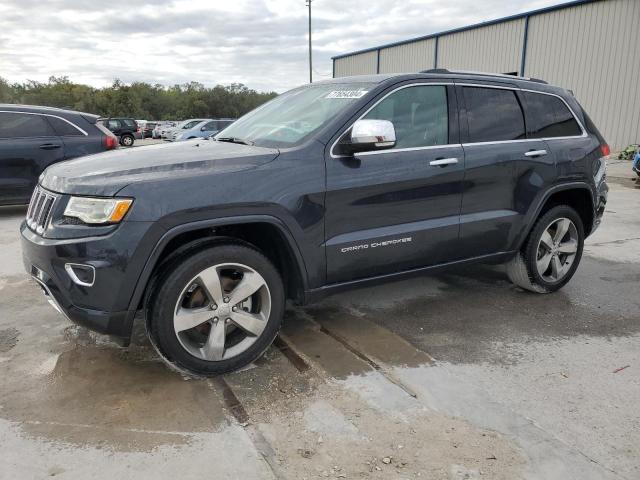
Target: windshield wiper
[234,140]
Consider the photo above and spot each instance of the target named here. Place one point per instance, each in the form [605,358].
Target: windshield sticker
[347,94]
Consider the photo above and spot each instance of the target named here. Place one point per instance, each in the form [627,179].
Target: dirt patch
[8,339]
[335,434]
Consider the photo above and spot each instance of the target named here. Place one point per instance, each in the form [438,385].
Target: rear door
[77,141]
[550,118]
[28,145]
[394,210]
[495,145]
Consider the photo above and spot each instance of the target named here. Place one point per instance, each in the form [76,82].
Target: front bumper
[118,259]
[110,323]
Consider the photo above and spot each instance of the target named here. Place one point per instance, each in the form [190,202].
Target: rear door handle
[535,153]
[443,162]
[49,146]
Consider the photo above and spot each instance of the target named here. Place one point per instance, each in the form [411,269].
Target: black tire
[127,140]
[522,270]
[169,287]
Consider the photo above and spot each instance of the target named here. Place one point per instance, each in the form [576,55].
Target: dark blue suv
[333,185]
[32,138]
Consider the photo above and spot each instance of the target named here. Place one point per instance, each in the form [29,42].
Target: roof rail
[483,74]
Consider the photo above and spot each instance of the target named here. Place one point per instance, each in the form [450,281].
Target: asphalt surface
[454,376]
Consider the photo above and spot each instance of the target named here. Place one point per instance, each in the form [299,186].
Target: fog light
[83,275]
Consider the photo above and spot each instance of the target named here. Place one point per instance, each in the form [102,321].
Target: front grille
[40,208]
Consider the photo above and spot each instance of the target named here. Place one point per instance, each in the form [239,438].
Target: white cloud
[261,43]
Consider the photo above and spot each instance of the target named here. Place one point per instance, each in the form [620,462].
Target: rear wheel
[126,140]
[551,253]
[217,310]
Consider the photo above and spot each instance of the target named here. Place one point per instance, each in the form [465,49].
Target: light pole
[310,54]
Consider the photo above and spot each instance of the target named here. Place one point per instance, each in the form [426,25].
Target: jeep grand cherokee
[328,186]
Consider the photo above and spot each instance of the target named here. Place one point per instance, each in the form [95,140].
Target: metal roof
[470,27]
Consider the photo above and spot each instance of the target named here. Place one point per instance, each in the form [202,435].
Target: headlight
[98,210]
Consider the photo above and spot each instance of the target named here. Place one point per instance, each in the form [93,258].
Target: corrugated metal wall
[410,57]
[361,64]
[594,50]
[495,48]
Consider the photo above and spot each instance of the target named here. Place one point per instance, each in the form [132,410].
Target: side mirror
[203,129]
[367,135]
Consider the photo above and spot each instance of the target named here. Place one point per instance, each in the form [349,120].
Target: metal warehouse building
[589,46]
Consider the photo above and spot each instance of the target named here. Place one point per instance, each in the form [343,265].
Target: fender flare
[534,214]
[152,261]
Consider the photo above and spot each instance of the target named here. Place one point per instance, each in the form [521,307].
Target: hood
[106,173]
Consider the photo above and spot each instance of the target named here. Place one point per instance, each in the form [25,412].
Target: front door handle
[443,162]
[49,146]
[535,153]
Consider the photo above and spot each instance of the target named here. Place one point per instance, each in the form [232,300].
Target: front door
[394,210]
[27,146]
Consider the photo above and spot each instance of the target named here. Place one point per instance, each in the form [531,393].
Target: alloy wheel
[222,311]
[557,250]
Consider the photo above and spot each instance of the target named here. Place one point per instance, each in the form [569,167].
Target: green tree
[139,99]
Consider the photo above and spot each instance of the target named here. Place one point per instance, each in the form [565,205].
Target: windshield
[292,117]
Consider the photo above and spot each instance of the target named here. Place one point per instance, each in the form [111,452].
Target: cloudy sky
[261,43]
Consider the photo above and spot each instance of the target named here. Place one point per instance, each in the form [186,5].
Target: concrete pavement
[459,375]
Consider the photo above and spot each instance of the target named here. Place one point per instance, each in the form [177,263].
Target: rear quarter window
[548,117]
[64,129]
[493,115]
[129,123]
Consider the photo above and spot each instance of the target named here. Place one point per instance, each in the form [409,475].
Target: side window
[20,125]
[63,128]
[209,126]
[113,124]
[493,115]
[222,124]
[129,123]
[419,115]
[548,116]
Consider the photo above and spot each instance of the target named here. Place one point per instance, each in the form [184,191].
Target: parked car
[32,138]
[147,130]
[333,185]
[204,129]
[636,164]
[160,126]
[139,133]
[182,126]
[126,129]
[166,128]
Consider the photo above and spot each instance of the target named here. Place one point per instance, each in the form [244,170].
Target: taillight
[604,148]
[110,142]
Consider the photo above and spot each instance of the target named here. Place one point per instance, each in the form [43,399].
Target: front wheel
[217,310]
[551,253]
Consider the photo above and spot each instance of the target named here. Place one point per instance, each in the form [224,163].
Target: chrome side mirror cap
[372,135]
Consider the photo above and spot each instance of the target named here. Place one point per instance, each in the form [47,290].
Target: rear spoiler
[91,118]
